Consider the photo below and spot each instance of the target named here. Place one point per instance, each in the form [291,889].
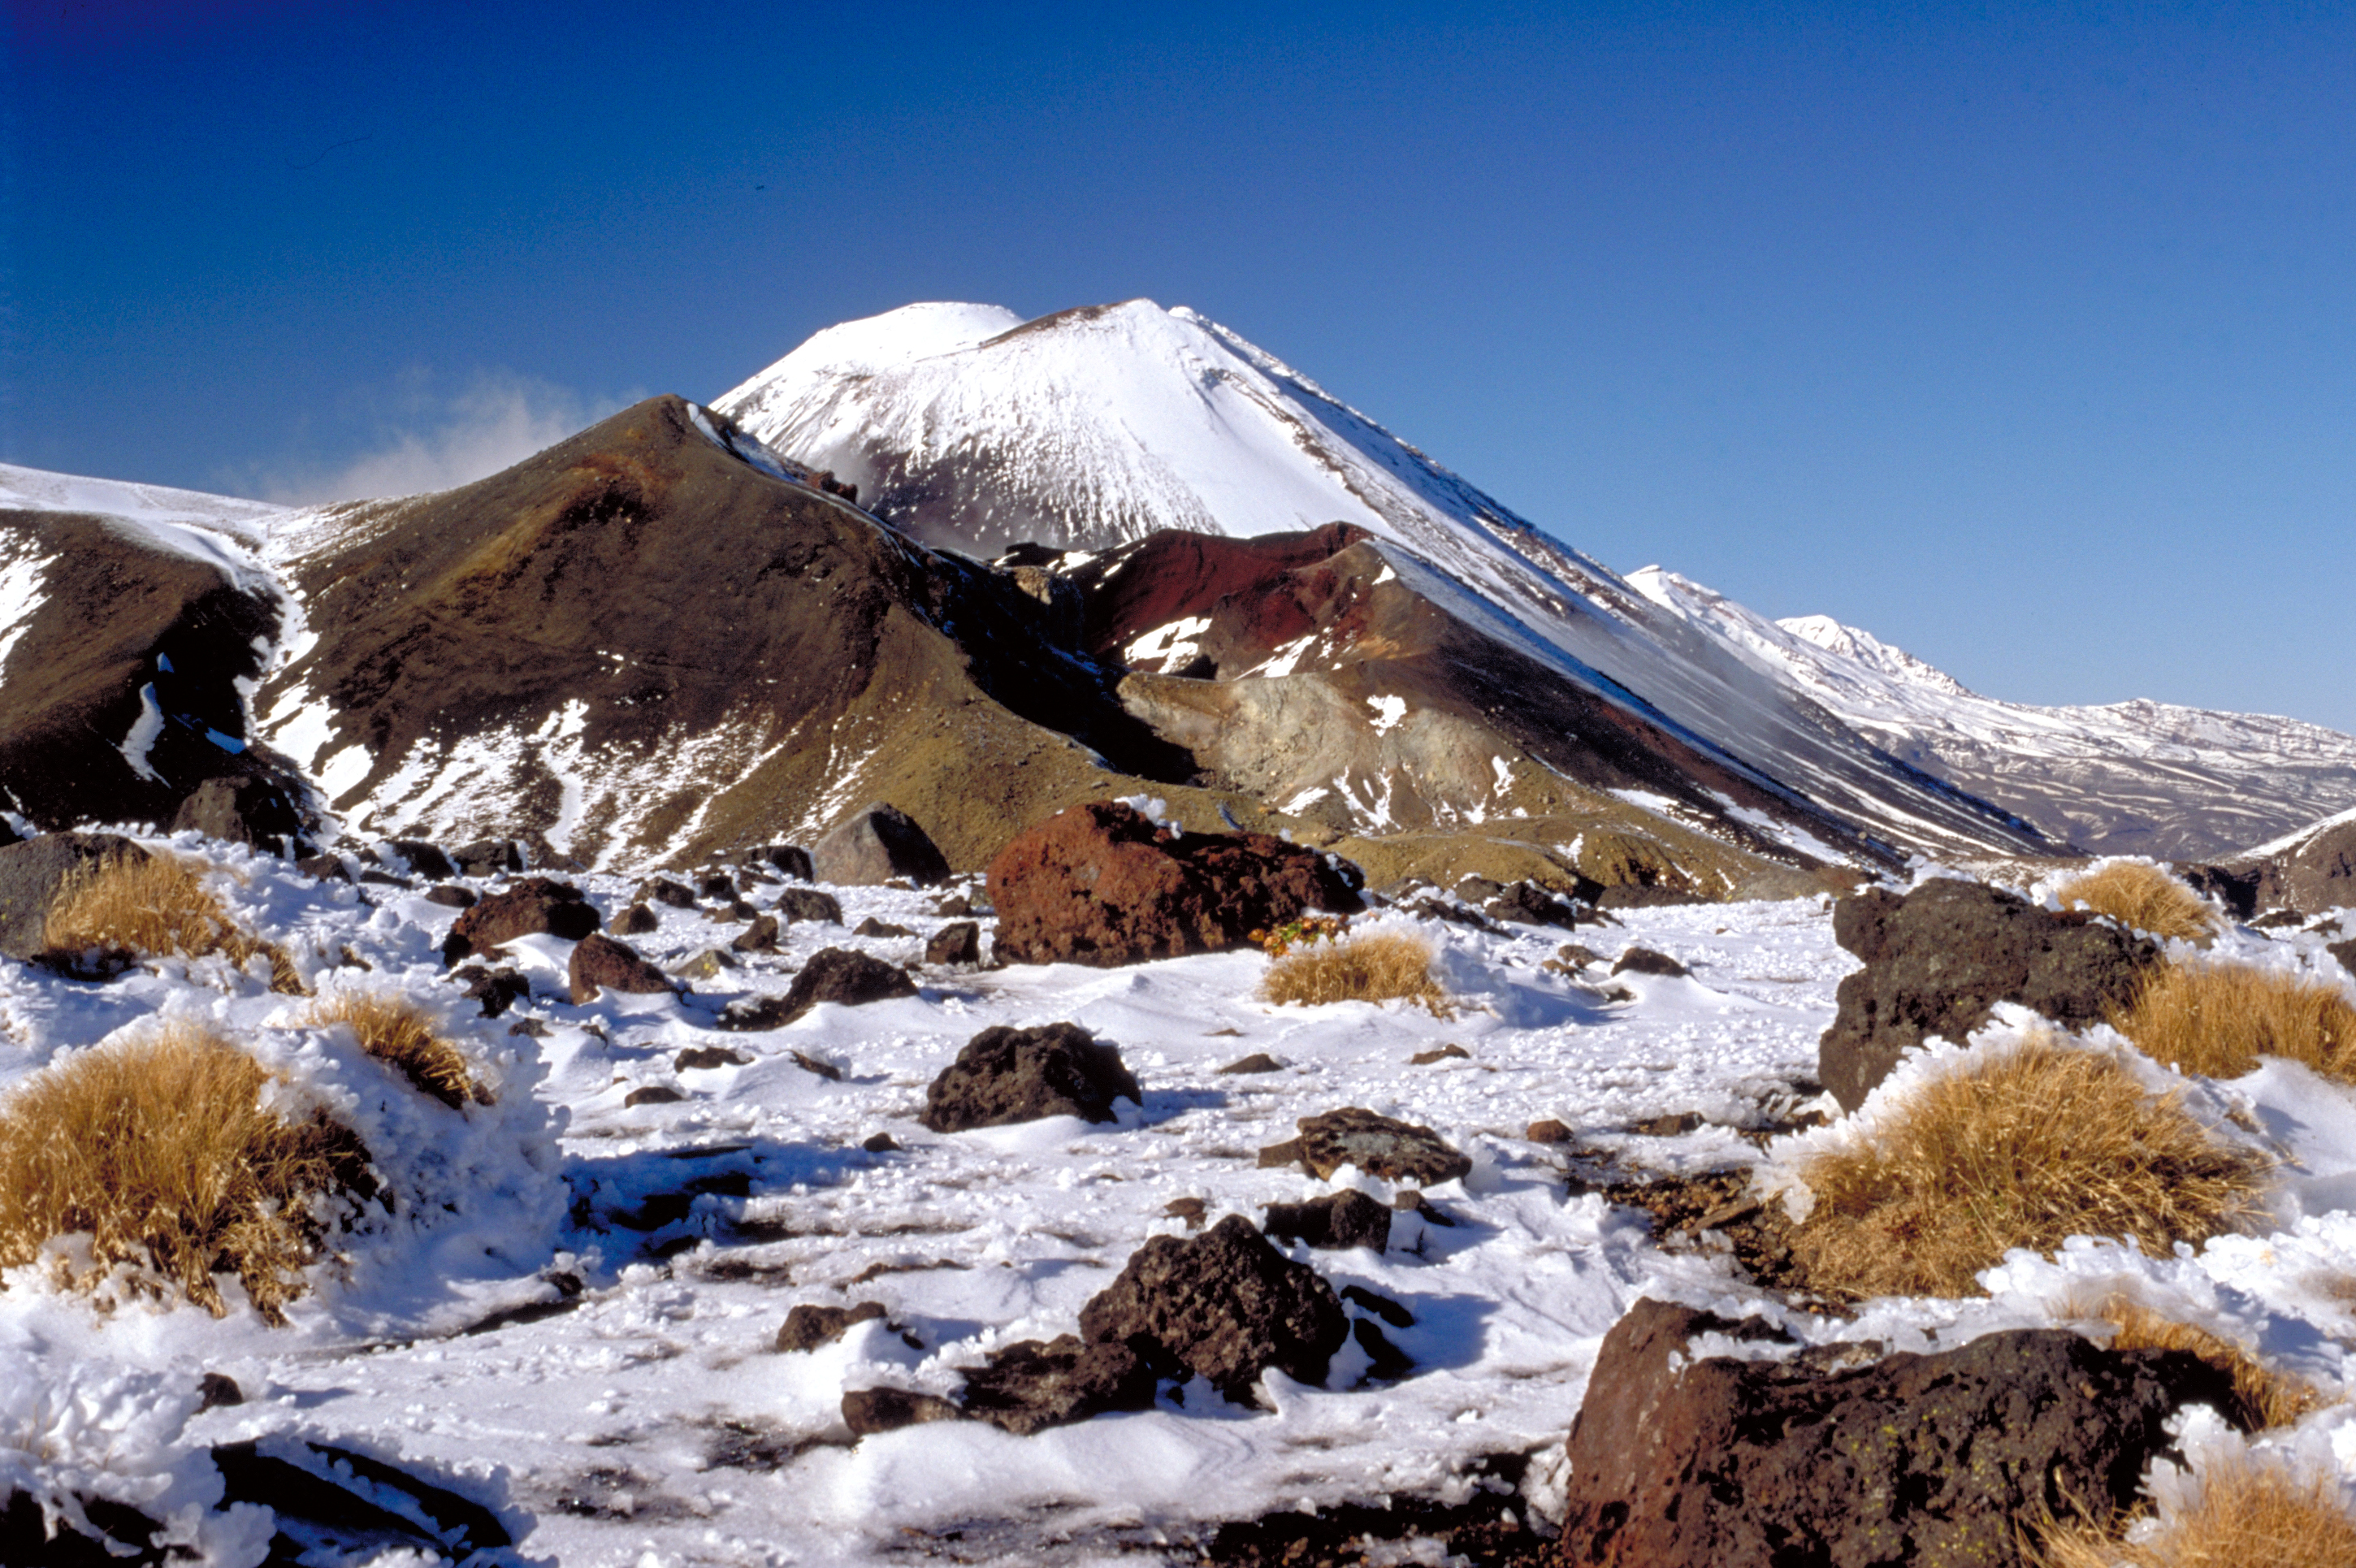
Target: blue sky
[2025,338]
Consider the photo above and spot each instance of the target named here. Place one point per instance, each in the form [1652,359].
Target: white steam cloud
[498,420]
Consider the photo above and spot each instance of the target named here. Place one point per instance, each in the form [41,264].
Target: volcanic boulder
[1346,1219]
[601,963]
[1678,1463]
[959,941]
[878,843]
[1224,1306]
[832,974]
[1938,960]
[1006,1075]
[245,809]
[1032,1385]
[533,905]
[809,1326]
[2315,873]
[35,871]
[1099,884]
[1385,1149]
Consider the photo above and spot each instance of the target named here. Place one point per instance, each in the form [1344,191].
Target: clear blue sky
[2025,338]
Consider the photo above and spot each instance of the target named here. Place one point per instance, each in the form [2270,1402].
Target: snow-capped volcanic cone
[133,621]
[1092,429]
[2136,777]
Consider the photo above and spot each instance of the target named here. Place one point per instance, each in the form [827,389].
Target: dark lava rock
[2316,873]
[495,988]
[1099,884]
[790,859]
[488,857]
[808,904]
[1391,1151]
[353,1515]
[1259,1061]
[1005,1074]
[702,1059]
[871,926]
[717,885]
[2236,889]
[1644,961]
[734,909]
[451,896]
[34,871]
[26,1540]
[761,935]
[1032,1385]
[2345,953]
[243,809]
[1346,1219]
[1578,955]
[1938,960]
[1224,1306]
[956,943]
[1190,1210]
[956,905]
[807,1327]
[215,1389]
[663,890]
[1547,1131]
[423,858]
[324,868]
[853,979]
[870,1411]
[880,1143]
[537,904]
[636,922]
[653,1094]
[811,1064]
[1914,1459]
[601,963]
[1528,904]
[878,843]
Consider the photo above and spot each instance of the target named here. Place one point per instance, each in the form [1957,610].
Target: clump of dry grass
[161,1152]
[2217,1020]
[1376,966]
[2023,1149]
[2142,898]
[155,904]
[2266,1396]
[399,1033]
[2248,1514]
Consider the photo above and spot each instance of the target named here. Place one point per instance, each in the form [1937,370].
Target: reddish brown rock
[1677,1462]
[1099,884]
[535,904]
[601,963]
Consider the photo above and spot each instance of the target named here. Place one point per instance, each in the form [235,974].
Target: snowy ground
[650,1422]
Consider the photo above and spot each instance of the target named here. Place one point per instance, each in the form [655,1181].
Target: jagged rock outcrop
[2310,872]
[1006,1074]
[1101,884]
[1684,1463]
[1937,961]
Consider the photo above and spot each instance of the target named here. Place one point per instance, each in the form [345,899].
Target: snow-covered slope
[2135,778]
[1095,426]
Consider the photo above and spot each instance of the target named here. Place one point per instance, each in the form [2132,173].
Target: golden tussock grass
[2266,1397]
[2217,1020]
[1380,966]
[154,905]
[2023,1150]
[2248,1515]
[160,1150]
[399,1033]
[2142,898]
